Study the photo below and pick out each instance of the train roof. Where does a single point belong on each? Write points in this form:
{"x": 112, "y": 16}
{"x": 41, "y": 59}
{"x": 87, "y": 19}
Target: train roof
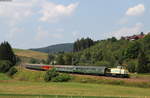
{"x": 80, "y": 66}
{"x": 69, "y": 66}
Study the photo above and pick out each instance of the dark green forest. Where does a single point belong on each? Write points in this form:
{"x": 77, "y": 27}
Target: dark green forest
{"x": 66, "y": 47}
{"x": 135, "y": 55}
{"x": 7, "y": 59}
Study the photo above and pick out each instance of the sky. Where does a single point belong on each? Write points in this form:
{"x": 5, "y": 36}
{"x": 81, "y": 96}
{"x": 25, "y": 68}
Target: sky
{"x": 38, "y": 23}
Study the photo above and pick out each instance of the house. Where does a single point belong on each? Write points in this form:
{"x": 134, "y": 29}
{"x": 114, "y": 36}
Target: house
{"x": 134, "y": 37}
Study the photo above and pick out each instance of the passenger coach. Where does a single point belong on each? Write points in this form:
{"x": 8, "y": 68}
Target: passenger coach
{"x": 120, "y": 71}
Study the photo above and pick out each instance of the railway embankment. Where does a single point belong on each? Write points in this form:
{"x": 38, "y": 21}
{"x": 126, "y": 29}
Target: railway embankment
{"x": 135, "y": 80}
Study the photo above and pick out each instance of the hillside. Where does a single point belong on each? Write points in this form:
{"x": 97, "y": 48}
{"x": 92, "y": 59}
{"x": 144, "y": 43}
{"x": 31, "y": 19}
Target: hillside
{"x": 30, "y": 54}
{"x": 111, "y": 53}
{"x": 67, "y": 47}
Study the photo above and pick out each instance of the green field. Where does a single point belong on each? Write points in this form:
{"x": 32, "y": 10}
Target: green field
{"x": 30, "y": 84}
{"x": 70, "y": 89}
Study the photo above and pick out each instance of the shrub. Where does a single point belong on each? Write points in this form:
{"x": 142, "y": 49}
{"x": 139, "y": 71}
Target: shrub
{"x": 50, "y": 74}
{"x": 12, "y": 71}
{"x": 5, "y": 65}
{"x": 62, "y": 78}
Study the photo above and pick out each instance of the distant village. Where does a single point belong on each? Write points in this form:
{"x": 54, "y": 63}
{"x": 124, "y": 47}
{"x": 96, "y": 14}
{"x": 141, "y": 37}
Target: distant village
{"x": 135, "y": 37}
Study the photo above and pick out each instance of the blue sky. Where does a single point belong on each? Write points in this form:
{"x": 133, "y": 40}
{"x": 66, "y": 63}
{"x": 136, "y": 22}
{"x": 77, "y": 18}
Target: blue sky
{"x": 38, "y": 23}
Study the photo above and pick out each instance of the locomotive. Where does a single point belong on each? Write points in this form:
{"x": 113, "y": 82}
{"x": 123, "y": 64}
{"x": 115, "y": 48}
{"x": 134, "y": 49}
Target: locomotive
{"x": 120, "y": 71}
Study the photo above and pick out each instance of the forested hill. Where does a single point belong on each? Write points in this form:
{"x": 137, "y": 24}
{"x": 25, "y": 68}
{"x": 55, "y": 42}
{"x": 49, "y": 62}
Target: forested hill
{"x": 133, "y": 54}
{"x": 66, "y": 47}
{"x": 112, "y": 52}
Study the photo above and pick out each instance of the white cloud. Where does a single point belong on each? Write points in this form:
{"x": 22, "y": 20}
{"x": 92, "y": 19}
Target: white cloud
{"x": 19, "y": 10}
{"x": 52, "y": 12}
{"x": 14, "y": 32}
{"x": 16, "y": 10}
{"x": 136, "y": 10}
{"x": 43, "y": 34}
{"x": 127, "y": 31}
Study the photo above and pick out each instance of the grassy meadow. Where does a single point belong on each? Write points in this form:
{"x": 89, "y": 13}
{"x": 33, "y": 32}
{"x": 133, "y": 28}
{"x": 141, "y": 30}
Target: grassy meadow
{"x": 29, "y": 84}
{"x": 70, "y": 89}
{"x": 30, "y": 54}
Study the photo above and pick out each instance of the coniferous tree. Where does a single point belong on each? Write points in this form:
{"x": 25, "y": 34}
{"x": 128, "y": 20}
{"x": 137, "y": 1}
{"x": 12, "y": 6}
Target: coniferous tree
{"x": 7, "y": 57}
{"x": 6, "y": 53}
{"x": 82, "y": 44}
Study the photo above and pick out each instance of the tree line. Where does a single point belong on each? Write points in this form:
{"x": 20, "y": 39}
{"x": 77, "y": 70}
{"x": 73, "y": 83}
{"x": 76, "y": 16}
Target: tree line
{"x": 82, "y": 44}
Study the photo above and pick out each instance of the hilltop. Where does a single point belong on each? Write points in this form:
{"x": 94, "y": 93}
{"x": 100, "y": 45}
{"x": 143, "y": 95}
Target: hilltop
{"x": 66, "y": 47}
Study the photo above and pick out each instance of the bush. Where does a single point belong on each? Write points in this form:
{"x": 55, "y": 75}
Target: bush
{"x": 62, "y": 78}
{"x": 50, "y": 74}
{"x": 5, "y": 65}
{"x": 12, "y": 71}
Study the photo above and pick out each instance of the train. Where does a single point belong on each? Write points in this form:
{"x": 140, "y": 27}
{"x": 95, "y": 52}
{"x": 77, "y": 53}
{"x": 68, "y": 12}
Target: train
{"x": 119, "y": 71}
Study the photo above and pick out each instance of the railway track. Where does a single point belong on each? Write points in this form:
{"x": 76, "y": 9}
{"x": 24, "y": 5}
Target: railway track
{"x": 97, "y": 77}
